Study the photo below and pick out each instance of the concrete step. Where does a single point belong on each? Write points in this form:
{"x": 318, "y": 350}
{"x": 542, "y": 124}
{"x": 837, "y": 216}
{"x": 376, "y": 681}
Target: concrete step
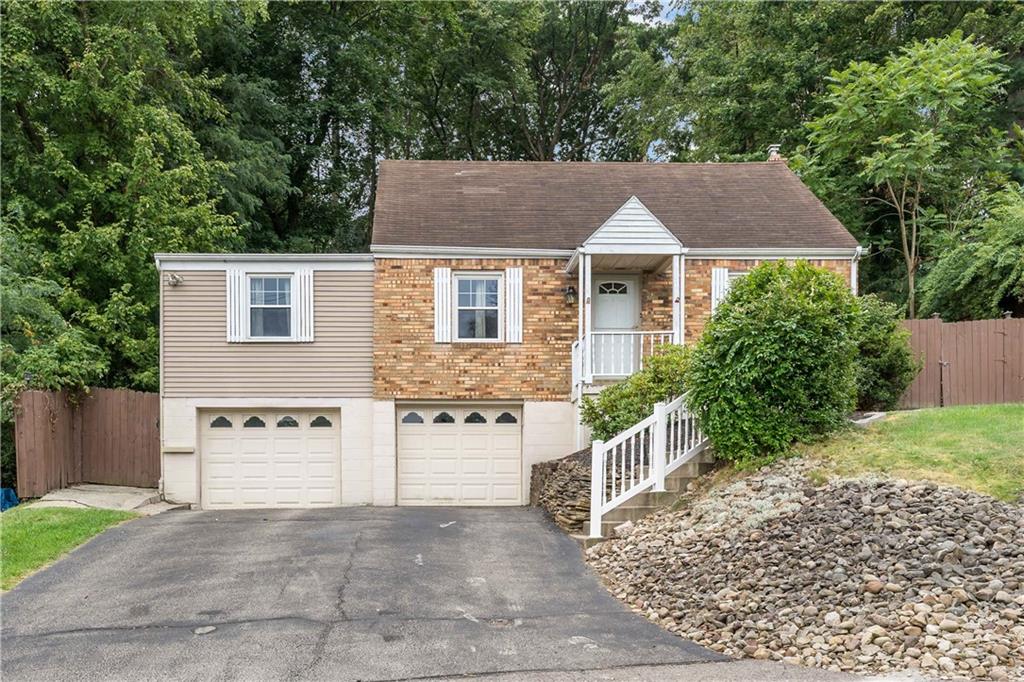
{"x": 628, "y": 512}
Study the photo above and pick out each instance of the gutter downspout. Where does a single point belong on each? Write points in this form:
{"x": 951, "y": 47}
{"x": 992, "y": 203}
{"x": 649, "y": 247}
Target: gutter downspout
{"x": 854, "y": 275}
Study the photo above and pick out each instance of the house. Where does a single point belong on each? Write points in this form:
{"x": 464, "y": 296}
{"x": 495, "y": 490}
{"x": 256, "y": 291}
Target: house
{"x": 438, "y": 368}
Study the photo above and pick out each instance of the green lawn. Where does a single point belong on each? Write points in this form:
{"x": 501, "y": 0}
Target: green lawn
{"x": 979, "y": 447}
{"x": 31, "y": 538}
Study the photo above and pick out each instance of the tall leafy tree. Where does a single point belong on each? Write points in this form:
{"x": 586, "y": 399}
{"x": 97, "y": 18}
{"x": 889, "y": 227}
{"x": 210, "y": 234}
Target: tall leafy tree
{"x": 915, "y": 135}
{"x": 101, "y": 167}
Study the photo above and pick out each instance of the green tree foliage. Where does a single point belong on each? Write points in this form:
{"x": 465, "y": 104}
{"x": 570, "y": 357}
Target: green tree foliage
{"x": 622, "y": 405}
{"x": 101, "y": 169}
{"x": 983, "y": 276}
{"x": 742, "y": 75}
{"x": 885, "y": 363}
{"x": 775, "y": 363}
{"x": 915, "y": 135}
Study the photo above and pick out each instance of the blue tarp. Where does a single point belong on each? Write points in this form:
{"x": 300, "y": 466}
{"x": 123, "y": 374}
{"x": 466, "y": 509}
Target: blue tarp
{"x": 7, "y": 498}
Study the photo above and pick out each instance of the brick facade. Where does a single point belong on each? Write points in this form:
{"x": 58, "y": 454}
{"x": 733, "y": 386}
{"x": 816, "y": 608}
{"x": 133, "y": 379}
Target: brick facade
{"x": 656, "y": 301}
{"x": 409, "y": 365}
{"x": 698, "y": 286}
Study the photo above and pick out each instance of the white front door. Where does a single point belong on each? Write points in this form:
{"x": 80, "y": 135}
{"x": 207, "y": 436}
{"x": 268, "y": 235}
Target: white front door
{"x": 460, "y": 454}
{"x": 616, "y": 303}
{"x": 616, "y": 300}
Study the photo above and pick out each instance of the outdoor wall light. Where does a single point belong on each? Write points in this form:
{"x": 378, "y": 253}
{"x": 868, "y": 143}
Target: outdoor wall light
{"x": 570, "y": 294}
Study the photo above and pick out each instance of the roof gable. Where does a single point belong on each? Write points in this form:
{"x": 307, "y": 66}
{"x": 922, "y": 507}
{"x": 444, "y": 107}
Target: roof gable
{"x": 635, "y": 226}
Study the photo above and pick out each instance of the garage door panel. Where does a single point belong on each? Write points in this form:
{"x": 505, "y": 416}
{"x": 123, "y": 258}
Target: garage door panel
{"x": 478, "y": 462}
{"x": 506, "y": 493}
{"x": 475, "y": 492}
{"x": 476, "y": 466}
{"x": 285, "y": 463}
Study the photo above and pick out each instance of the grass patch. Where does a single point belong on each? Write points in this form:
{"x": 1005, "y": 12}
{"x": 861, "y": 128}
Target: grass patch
{"x": 979, "y": 447}
{"x": 32, "y": 537}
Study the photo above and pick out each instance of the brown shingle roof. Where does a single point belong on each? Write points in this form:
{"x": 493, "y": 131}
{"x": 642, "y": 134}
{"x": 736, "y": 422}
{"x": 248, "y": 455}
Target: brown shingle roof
{"x": 558, "y": 205}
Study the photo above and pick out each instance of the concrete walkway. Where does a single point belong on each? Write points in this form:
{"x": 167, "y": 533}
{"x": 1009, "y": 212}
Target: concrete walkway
{"x": 145, "y": 501}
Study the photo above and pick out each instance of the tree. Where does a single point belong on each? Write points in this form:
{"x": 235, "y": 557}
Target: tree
{"x": 101, "y": 168}
{"x": 916, "y": 135}
{"x": 983, "y": 276}
{"x": 748, "y": 74}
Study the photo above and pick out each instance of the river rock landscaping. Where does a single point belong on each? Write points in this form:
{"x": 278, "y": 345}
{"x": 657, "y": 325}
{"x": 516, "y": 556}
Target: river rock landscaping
{"x": 867, "y": 575}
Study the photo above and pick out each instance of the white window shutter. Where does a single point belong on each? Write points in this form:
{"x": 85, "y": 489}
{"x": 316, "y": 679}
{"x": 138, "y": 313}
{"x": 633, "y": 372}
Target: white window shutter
{"x": 513, "y": 305}
{"x": 236, "y": 304}
{"x": 719, "y": 286}
{"x": 442, "y": 305}
{"x": 302, "y": 304}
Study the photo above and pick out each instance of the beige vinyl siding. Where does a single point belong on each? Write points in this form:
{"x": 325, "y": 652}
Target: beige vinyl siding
{"x": 198, "y": 360}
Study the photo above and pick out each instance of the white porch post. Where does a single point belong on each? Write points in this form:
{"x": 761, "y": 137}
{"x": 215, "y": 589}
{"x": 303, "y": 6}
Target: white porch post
{"x": 677, "y": 303}
{"x": 581, "y": 297}
{"x": 588, "y": 354}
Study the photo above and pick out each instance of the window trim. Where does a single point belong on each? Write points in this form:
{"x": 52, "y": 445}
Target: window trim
{"x": 497, "y": 276}
{"x": 292, "y": 322}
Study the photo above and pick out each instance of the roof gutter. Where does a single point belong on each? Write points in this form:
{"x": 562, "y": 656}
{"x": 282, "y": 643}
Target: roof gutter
{"x": 208, "y": 260}
{"x": 419, "y": 251}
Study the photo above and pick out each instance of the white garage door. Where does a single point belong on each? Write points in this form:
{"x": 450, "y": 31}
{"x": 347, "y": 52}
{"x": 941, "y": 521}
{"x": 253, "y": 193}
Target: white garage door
{"x": 270, "y": 458}
{"x": 460, "y": 455}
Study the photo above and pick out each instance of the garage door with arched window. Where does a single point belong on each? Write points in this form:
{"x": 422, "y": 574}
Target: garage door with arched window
{"x": 270, "y": 458}
{"x": 454, "y": 454}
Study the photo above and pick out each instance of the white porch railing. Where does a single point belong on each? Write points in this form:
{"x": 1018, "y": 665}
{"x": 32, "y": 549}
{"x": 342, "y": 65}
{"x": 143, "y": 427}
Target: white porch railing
{"x": 616, "y": 354}
{"x": 639, "y": 458}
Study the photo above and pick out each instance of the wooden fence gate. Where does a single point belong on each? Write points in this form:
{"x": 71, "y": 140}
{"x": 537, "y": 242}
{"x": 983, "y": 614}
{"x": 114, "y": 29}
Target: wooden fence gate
{"x": 967, "y": 363}
{"x": 111, "y": 436}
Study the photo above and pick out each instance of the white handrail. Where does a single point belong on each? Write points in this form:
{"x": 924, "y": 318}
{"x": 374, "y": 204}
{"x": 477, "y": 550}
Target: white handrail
{"x": 638, "y": 459}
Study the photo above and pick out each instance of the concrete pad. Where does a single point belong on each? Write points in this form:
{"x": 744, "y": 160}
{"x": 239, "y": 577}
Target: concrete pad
{"x": 121, "y": 498}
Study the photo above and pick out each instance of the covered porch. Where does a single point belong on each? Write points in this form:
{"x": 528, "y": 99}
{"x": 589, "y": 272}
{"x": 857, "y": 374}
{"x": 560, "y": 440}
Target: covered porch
{"x": 629, "y": 304}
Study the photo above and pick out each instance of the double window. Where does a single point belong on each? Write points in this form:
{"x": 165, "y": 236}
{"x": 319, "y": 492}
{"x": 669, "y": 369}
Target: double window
{"x": 270, "y": 306}
{"x": 478, "y": 307}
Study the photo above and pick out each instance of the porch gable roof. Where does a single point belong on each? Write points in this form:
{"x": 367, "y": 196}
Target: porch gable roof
{"x": 634, "y": 229}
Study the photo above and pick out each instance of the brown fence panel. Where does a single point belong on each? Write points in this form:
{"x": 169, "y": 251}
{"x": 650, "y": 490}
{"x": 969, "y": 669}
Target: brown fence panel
{"x": 44, "y": 432}
{"x": 110, "y": 436}
{"x": 1013, "y": 354}
{"x": 967, "y": 363}
{"x": 926, "y": 342}
{"x": 120, "y": 440}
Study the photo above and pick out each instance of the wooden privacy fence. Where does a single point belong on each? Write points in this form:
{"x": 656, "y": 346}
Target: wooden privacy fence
{"x": 967, "y": 363}
{"x": 110, "y": 436}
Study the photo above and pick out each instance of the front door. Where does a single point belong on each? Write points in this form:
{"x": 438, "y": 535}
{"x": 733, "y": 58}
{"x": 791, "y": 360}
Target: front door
{"x": 616, "y": 318}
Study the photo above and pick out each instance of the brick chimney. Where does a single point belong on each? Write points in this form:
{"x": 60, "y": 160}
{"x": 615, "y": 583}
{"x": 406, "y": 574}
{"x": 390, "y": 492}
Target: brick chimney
{"x": 774, "y": 155}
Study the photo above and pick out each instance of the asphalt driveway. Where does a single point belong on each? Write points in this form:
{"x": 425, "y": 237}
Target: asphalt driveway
{"x": 343, "y": 594}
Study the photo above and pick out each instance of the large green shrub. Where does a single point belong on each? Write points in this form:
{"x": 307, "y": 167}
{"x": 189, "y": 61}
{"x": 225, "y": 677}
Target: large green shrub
{"x": 885, "y": 362}
{"x": 618, "y": 407}
{"x": 775, "y": 363}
